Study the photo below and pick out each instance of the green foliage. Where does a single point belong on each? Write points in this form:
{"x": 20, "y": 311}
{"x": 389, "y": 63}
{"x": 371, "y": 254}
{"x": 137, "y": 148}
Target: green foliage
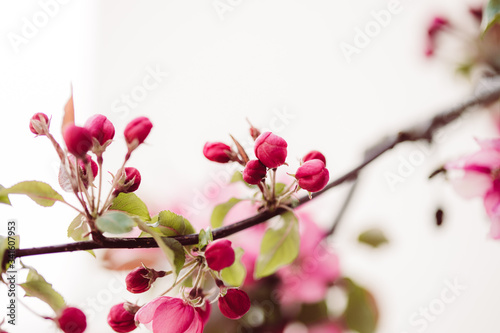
{"x": 79, "y": 229}
{"x": 4, "y": 198}
{"x": 220, "y": 211}
{"x": 204, "y": 237}
{"x": 115, "y": 222}
{"x": 131, "y": 204}
{"x": 279, "y": 247}
{"x": 173, "y": 250}
{"x": 361, "y": 313}
{"x": 373, "y": 237}
{"x": 36, "y": 286}
{"x": 171, "y": 224}
{"x": 42, "y": 193}
{"x": 236, "y": 273}
{"x": 491, "y": 15}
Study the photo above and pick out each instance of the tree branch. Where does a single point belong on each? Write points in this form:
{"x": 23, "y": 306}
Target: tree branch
{"x": 423, "y": 131}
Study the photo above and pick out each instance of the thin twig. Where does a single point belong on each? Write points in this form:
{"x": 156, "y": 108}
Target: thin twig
{"x": 423, "y": 131}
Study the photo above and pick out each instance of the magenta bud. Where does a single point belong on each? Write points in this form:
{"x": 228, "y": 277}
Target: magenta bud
{"x": 100, "y": 128}
{"x": 37, "y": 122}
{"x": 72, "y": 320}
{"x": 217, "y": 152}
{"x": 234, "y": 304}
{"x": 438, "y": 24}
{"x": 78, "y": 140}
{"x": 130, "y": 181}
{"x": 219, "y": 254}
{"x": 312, "y": 175}
{"x": 270, "y": 149}
{"x": 121, "y": 317}
{"x": 314, "y": 155}
{"x": 141, "y": 278}
{"x": 137, "y": 131}
{"x": 254, "y": 172}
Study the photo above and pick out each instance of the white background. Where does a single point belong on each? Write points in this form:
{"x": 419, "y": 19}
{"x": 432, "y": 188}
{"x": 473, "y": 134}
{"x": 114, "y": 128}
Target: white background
{"x": 257, "y": 59}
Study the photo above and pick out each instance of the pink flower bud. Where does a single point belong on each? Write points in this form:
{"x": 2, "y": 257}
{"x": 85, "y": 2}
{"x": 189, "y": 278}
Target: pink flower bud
{"x": 141, "y": 279}
{"x": 234, "y": 304}
{"x": 72, "y": 320}
{"x": 78, "y": 140}
{"x": 37, "y": 122}
{"x": 137, "y": 131}
{"x": 121, "y": 317}
{"x": 312, "y": 175}
{"x": 130, "y": 182}
{"x": 254, "y": 172}
{"x": 314, "y": 155}
{"x": 219, "y": 254}
{"x": 438, "y": 24}
{"x": 100, "y": 128}
{"x": 217, "y": 152}
{"x": 270, "y": 149}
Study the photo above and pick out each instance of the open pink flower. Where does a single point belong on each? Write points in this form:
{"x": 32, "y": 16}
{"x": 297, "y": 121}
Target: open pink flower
{"x": 170, "y": 315}
{"x": 481, "y": 178}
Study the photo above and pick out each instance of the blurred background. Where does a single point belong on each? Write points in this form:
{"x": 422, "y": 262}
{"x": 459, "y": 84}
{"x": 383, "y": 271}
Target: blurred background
{"x": 197, "y": 69}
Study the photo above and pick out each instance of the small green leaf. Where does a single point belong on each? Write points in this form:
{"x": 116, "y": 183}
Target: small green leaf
{"x": 279, "y": 188}
{"x": 236, "y": 273}
{"x": 171, "y": 224}
{"x": 361, "y": 313}
{"x": 130, "y": 203}
{"x": 238, "y": 177}
{"x": 174, "y": 251}
{"x": 220, "y": 211}
{"x": 204, "y": 237}
{"x": 373, "y": 237}
{"x": 115, "y": 222}
{"x": 36, "y": 286}
{"x": 279, "y": 247}
{"x": 491, "y": 15}
{"x": 4, "y": 198}
{"x": 39, "y": 192}
{"x": 79, "y": 229}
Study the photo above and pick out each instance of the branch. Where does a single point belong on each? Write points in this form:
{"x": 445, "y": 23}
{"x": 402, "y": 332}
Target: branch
{"x": 423, "y": 131}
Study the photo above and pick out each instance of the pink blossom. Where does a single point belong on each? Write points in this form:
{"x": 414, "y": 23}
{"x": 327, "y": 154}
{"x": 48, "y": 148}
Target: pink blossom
{"x": 307, "y": 279}
{"x": 481, "y": 178}
{"x": 170, "y": 315}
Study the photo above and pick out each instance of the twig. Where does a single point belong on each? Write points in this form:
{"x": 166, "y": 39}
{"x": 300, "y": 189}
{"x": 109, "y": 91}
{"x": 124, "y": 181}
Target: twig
{"x": 423, "y": 131}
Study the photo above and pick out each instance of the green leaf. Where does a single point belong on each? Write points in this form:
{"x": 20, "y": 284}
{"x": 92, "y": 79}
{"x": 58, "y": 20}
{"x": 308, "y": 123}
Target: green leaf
{"x": 220, "y": 211}
{"x": 204, "y": 237}
{"x": 40, "y": 192}
{"x": 171, "y": 224}
{"x": 491, "y": 15}
{"x": 279, "y": 247}
{"x": 238, "y": 177}
{"x": 174, "y": 251}
{"x": 361, "y": 313}
{"x": 130, "y": 203}
{"x": 115, "y": 222}
{"x": 373, "y": 237}
{"x": 36, "y": 286}
{"x": 79, "y": 229}
{"x": 236, "y": 273}
{"x": 4, "y": 198}
{"x": 279, "y": 188}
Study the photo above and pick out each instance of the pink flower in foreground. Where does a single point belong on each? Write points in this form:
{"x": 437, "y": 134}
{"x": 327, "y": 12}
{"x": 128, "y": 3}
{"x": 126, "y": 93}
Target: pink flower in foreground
{"x": 170, "y": 315}
{"x": 307, "y": 279}
{"x": 481, "y": 178}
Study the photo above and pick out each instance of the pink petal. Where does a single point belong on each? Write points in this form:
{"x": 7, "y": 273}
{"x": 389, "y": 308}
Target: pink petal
{"x": 472, "y": 184}
{"x": 492, "y": 206}
{"x": 173, "y": 317}
{"x": 146, "y": 313}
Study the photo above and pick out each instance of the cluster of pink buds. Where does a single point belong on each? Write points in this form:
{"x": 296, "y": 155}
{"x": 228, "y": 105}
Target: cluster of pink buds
{"x": 271, "y": 152}
{"x": 191, "y": 311}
